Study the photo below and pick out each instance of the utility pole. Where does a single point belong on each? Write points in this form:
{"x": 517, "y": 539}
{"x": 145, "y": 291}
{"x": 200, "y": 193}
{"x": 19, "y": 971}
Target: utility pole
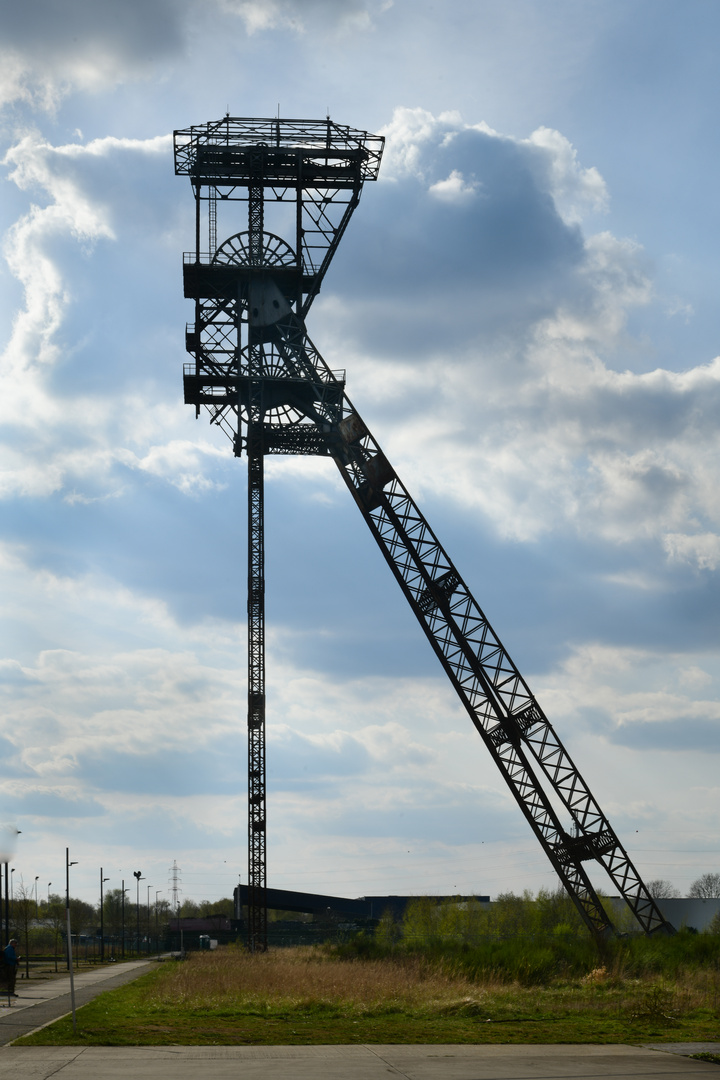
{"x": 137, "y": 874}
{"x": 148, "y": 919}
{"x": 68, "y": 864}
{"x": 8, "y": 909}
{"x": 102, "y": 918}
{"x": 124, "y": 890}
{"x": 157, "y": 930}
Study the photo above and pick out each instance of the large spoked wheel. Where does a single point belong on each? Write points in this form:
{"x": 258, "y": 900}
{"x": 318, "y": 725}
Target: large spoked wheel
{"x": 235, "y": 251}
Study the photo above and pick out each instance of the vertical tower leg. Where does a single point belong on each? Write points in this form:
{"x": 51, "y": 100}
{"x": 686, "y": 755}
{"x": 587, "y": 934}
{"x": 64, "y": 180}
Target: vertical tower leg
{"x": 257, "y": 873}
{"x": 257, "y": 883}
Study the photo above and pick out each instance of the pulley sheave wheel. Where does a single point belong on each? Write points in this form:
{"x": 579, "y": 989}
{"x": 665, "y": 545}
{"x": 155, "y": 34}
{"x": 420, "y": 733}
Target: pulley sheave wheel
{"x": 236, "y": 251}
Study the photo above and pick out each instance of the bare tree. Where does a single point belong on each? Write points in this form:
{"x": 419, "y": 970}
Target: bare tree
{"x": 707, "y": 886}
{"x": 24, "y": 907}
{"x": 660, "y": 889}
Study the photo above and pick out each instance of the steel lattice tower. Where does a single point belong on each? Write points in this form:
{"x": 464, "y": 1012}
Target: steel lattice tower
{"x": 261, "y": 379}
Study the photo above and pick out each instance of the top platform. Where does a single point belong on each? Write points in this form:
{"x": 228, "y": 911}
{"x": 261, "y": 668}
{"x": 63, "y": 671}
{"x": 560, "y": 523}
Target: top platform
{"x": 312, "y": 153}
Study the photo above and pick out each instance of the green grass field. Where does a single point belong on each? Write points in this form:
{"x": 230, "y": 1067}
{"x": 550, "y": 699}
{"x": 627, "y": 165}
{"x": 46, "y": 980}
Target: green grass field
{"x": 306, "y": 995}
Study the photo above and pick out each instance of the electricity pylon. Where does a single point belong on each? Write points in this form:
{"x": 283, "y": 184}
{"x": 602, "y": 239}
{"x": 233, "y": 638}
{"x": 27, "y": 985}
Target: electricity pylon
{"x": 264, "y": 383}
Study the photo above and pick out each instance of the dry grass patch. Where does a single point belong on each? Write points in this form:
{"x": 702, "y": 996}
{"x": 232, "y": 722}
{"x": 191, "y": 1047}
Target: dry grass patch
{"x": 310, "y": 995}
{"x": 307, "y": 979}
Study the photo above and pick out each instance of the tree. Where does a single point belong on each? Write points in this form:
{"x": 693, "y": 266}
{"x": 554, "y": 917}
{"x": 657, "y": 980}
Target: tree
{"x": 707, "y": 886}
{"x": 83, "y": 916}
{"x": 112, "y": 912}
{"x": 54, "y": 916}
{"x": 193, "y": 909}
{"x": 660, "y": 889}
{"x": 24, "y": 908}
{"x": 189, "y": 909}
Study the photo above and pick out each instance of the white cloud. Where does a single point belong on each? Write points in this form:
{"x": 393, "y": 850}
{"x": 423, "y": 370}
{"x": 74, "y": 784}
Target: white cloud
{"x": 621, "y": 690}
{"x": 553, "y": 160}
{"x": 699, "y": 549}
{"x": 57, "y": 440}
{"x": 407, "y": 134}
{"x": 172, "y": 687}
{"x": 181, "y": 462}
{"x": 522, "y": 407}
{"x": 148, "y": 734}
{"x": 48, "y": 51}
{"x": 455, "y": 189}
{"x": 345, "y": 16}
{"x": 515, "y": 392}
{"x": 575, "y": 190}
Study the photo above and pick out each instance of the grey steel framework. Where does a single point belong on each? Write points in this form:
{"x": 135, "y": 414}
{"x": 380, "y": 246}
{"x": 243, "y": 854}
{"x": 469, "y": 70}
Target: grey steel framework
{"x": 260, "y": 377}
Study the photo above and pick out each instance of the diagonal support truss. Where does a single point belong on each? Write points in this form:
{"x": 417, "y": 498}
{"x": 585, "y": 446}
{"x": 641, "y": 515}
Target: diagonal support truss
{"x": 531, "y": 758}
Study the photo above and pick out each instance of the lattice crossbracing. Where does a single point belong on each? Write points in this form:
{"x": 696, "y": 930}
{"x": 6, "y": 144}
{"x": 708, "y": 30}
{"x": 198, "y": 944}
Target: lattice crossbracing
{"x": 260, "y": 377}
{"x": 514, "y": 728}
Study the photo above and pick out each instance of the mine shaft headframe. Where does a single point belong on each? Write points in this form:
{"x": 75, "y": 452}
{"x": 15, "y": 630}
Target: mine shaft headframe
{"x": 319, "y": 165}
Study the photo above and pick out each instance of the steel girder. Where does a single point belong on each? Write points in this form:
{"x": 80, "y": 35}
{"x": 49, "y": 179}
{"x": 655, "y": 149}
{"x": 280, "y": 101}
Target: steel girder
{"x": 514, "y": 728}
{"x": 257, "y": 801}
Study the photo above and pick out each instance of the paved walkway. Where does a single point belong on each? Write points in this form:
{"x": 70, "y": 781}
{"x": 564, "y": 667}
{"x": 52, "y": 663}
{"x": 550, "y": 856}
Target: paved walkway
{"x": 43, "y": 1000}
{"x": 347, "y": 1063}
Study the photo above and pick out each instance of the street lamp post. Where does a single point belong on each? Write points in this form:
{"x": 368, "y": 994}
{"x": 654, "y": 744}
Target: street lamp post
{"x": 124, "y": 890}
{"x": 157, "y": 931}
{"x": 56, "y": 928}
{"x": 68, "y": 864}
{"x": 37, "y": 876}
{"x": 137, "y": 874}
{"x": 102, "y": 918}
{"x": 8, "y": 880}
{"x": 148, "y": 919}
{"x": 12, "y": 892}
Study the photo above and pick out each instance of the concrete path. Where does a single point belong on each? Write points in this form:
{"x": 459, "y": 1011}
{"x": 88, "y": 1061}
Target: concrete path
{"x": 39, "y": 1002}
{"x": 347, "y": 1063}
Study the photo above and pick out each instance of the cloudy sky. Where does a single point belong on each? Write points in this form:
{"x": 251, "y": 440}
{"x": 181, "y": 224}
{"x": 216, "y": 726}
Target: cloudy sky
{"x": 526, "y": 306}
